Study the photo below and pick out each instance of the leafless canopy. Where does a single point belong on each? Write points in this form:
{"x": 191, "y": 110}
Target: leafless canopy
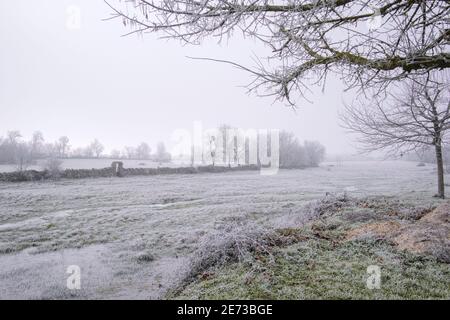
{"x": 369, "y": 43}
{"x": 414, "y": 117}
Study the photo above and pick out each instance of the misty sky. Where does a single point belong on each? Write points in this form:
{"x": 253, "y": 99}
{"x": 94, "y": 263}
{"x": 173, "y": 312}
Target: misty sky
{"x": 92, "y": 83}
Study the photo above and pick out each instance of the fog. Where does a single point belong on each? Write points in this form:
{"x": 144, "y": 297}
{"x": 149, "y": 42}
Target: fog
{"x": 137, "y": 167}
{"x": 92, "y": 82}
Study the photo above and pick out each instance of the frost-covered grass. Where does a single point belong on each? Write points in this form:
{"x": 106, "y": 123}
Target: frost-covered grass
{"x": 145, "y": 229}
{"x": 317, "y": 259}
{"x": 92, "y": 164}
{"x": 317, "y": 269}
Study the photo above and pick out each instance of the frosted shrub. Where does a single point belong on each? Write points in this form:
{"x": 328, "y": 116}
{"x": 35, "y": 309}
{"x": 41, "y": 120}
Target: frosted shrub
{"x": 315, "y": 209}
{"x": 53, "y": 167}
{"x": 329, "y": 203}
{"x": 234, "y": 242}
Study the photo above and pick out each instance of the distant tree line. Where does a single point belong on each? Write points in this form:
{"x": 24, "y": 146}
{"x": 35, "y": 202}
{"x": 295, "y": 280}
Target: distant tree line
{"x": 143, "y": 152}
{"x": 428, "y": 155}
{"x": 23, "y": 153}
{"x": 292, "y": 153}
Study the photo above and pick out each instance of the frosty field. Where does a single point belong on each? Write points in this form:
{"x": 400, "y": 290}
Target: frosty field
{"x": 91, "y": 164}
{"x": 130, "y": 236}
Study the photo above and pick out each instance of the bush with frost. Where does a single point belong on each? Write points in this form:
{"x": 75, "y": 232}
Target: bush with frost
{"x": 54, "y": 167}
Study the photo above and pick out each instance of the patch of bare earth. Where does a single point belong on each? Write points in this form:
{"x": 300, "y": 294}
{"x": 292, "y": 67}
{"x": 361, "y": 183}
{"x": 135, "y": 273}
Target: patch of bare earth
{"x": 379, "y": 229}
{"x": 428, "y": 235}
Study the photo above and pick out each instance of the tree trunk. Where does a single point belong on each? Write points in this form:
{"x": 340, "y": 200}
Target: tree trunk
{"x": 440, "y": 170}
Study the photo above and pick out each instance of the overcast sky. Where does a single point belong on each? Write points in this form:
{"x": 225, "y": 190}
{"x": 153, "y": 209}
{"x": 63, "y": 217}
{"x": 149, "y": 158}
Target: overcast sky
{"x": 92, "y": 83}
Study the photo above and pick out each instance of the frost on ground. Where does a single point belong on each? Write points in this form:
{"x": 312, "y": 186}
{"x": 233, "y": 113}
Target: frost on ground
{"x": 134, "y": 237}
{"x": 327, "y": 255}
{"x": 93, "y": 164}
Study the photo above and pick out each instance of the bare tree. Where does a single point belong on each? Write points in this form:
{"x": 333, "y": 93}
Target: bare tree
{"x": 115, "y": 154}
{"x": 63, "y": 146}
{"x": 37, "y": 143}
{"x": 50, "y": 149}
{"x": 97, "y": 148}
{"x": 143, "y": 151}
{"x": 416, "y": 117}
{"x": 292, "y": 154}
{"x": 315, "y": 153}
{"x": 367, "y": 43}
{"x": 17, "y": 151}
{"x": 22, "y": 156}
{"x": 161, "y": 154}
{"x": 229, "y": 144}
{"x": 129, "y": 152}
{"x": 8, "y": 147}
{"x": 211, "y": 145}
{"x": 13, "y": 137}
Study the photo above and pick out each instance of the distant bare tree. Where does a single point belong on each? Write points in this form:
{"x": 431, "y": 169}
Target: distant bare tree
{"x": 227, "y": 144}
{"x": 77, "y": 152}
{"x": 13, "y": 137}
{"x": 367, "y": 43}
{"x": 63, "y": 146}
{"x": 22, "y": 156}
{"x": 37, "y": 143}
{"x": 292, "y": 154}
{"x": 415, "y": 117}
{"x": 315, "y": 153}
{"x": 8, "y": 147}
{"x": 161, "y": 154}
{"x": 143, "y": 151}
{"x": 51, "y": 149}
{"x": 17, "y": 151}
{"x": 211, "y": 145}
{"x": 115, "y": 154}
{"x": 129, "y": 152}
{"x": 97, "y": 148}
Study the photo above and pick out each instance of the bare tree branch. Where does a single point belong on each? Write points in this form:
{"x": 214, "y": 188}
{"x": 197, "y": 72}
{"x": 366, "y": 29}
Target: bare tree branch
{"x": 368, "y": 43}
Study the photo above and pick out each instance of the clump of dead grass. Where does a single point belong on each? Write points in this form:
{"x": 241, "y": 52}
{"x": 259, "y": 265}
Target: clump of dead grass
{"x": 429, "y": 235}
{"x": 330, "y": 204}
{"x": 236, "y": 240}
{"x": 374, "y": 229}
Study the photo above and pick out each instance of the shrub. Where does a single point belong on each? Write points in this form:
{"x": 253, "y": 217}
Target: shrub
{"x": 235, "y": 241}
{"x": 53, "y": 167}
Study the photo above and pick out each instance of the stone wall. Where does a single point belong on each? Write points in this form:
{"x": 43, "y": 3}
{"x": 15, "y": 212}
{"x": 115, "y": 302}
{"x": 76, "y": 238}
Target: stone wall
{"x": 33, "y": 175}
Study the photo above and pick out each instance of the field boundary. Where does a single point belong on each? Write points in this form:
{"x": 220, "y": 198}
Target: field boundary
{"x": 35, "y": 175}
